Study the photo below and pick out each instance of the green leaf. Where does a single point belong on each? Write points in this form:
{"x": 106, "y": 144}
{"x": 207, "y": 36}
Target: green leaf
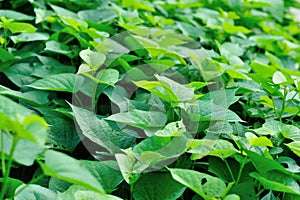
{"x": 31, "y": 97}
{"x": 60, "y": 48}
{"x": 261, "y": 141}
{"x": 29, "y": 37}
{"x": 205, "y": 147}
{"x": 140, "y": 118}
{"x": 295, "y": 147}
{"x": 232, "y": 197}
{"x": 172, "y": 129}
{"x": 13, "y": 184}
{"x": 63, "y": 12}
{"x": 107, "y": 173}
{"x": 203, "y": 184}
{"x": 20, "y": 74}
{"x": 17, "y": 27}
{"x": 63, "y": 82}
{"x": 5, "y": 55}
{"x": 99, "y": 15}
{"x": 157, "y": 186}
{"x": 278, "y": 78}
{"x": 229, "y": 28}
{"x": 130, "y": 169}
{"x": 167, "y": 89}
{"x": 263, "y": 165}
{"x": 62, "y": 133}
{"x": 92, "y": 58}
{"x": 108, "y": 76}
{"x": 95, "y": 129}
{"x": 156, "y": 149}
{"x": 76, "y": 192}
{"x": 281, "y": 182}
{"x": 13, "y": 110}
{"x": 35, "y": 192}
{"x": 66, "y": 168}
{"x": 15, "y": 15}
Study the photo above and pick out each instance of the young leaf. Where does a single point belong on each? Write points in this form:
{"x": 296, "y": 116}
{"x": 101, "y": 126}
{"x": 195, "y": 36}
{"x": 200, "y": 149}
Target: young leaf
{"x": 278, "y": 78}
{"x": 92, "y": 58}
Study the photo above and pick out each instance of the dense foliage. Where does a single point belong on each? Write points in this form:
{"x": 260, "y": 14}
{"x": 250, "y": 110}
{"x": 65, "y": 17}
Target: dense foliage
{"x": 131, "y": 99}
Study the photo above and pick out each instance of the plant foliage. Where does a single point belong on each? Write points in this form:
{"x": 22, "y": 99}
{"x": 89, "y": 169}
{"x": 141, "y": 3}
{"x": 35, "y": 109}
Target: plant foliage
{"x": 142, "y": 99}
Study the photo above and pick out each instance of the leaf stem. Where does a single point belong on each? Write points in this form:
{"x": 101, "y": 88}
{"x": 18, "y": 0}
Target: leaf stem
{"x": 9, "y": 165}
{"x": 241, "y": 170}
{"x": 2, "y": 153}
{"x": 283, "y": 104}
{"x": 229, "y": 169}
{"x": 131, "y": 192}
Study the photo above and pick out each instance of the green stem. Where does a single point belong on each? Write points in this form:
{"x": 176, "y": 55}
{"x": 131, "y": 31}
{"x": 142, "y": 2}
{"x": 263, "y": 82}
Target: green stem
{"x": 283, "y": 104}
{"x": 9, "y": 165}
{"x": 5, "y": 37}
{"x": 274, "y": 108}
{"x": 241, "y": 170}
{"x": 229, "y": 169}
{"x": 2, "y": 153}
{"x": 131, "y": 192}
{"x": 291, "y": 118}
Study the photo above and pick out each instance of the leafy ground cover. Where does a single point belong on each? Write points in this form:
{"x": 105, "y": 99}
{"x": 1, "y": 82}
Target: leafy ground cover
{"x": 149, "y": 99}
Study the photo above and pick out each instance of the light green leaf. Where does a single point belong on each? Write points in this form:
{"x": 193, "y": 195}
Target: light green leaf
{"x": 76, "y": 192}
{"x": 34, "y": 192}
{"x": 17, "y": 27}
{"x": 295, "y": 147}
{"x": 26, "y": 151}
{"x": 99, "y": 15}
{"x": 15, "y": 15}
{"x": 29, "y": 37}
{"x": 232, "y": 197}
{"x": 203, "y": 184}
{"x": 205, "y": 147}
{"x": 167, "y": 89}
{"x": 108, "y": 76}
{"x": 140, "y": 118}
{"x": 230, "y": 28}
{"x": 129, "y": 168}
{"x": 278, "y": 78}
{"x": 261, "y": 141}
{"x": 92, "y": 58}
{"x": 172, "y": 129}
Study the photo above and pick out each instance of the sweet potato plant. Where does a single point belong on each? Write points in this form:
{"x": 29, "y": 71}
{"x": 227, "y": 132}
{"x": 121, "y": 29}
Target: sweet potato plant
{"x": 149, "y": 99}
